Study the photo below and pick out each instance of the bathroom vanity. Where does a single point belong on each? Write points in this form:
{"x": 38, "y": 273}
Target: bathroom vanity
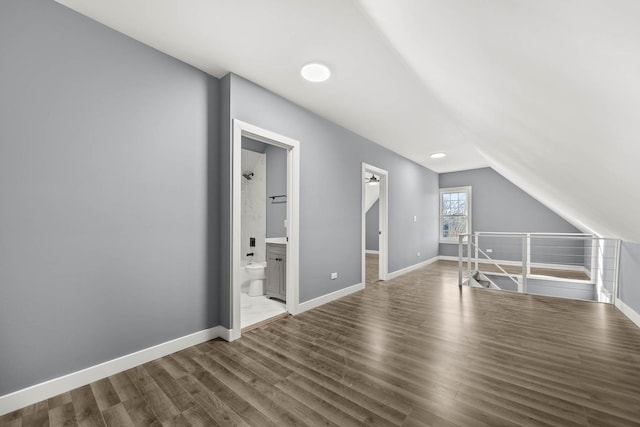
{"x": 276, "y": 286}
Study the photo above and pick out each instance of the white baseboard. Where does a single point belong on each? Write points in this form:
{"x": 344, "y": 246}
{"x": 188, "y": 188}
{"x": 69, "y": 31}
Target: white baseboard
{"x": 371, "y": 251}
{"x": 406, "y": 270}
{"x": 628, "y": 311}
{"x": 316, "y": 302}
{"x": 36, "y": 393}
{"x": 226, "y": 334}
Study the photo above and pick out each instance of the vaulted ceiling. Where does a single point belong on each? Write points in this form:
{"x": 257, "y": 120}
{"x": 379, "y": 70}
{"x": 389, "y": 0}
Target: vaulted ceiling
{"x": 546, "y": 92}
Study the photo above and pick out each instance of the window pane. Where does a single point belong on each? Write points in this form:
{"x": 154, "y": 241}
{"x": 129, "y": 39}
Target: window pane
{"x": 446, "y": 207}
{"x": 452, "y": 226}
{"x": 455, "y": 212}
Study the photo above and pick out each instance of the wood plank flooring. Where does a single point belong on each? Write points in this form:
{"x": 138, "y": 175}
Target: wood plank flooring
{"x": 413, "y": 351}
{"x": 372, "y": 268}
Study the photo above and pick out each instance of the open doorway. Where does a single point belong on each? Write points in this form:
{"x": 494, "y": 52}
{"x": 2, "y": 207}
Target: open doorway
{"x": 263, "y": 191}
{"x": 265, "y": 227}
{"x": 374, "y": 223}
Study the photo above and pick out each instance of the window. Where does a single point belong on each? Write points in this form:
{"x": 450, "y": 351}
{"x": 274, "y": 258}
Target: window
{"x": 455, "y": 213}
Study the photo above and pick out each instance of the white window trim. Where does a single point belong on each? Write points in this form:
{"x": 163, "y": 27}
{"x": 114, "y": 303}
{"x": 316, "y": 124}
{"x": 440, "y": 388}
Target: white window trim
{"x": 466, "y": 189}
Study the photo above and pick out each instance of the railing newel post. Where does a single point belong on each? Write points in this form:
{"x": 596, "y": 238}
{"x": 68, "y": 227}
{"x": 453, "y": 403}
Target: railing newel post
{"x": 616, "y": 272}
{"x": 460, "y": 254}
{"x": 477, "y": 239}
{"x": 525, "y": 263}
{"x": 468, "y": 256}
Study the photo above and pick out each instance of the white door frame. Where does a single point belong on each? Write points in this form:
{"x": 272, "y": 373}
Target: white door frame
{"x": 383, "y": 206}
{"x": 292, "y": 146}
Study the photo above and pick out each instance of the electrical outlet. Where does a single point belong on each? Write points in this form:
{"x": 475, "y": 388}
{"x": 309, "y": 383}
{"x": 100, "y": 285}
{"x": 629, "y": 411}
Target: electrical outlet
{"x": 415, "y": 218}
{"x": 489, "y": 251}
{"x": 418, "y": 253}
{"x": 334, "y": 276}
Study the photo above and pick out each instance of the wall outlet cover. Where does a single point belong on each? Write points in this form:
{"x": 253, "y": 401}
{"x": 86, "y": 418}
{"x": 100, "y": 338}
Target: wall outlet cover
{"x": 334, "y": 276}
{"x": 489, "y": 251}
{"x": 418, "y": 253}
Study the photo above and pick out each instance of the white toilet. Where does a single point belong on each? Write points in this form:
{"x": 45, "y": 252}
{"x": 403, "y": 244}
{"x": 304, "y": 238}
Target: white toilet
{"x": 257, "y": 275}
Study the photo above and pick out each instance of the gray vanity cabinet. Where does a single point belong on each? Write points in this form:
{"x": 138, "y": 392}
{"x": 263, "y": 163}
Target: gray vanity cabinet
{"x": 276, "y": 271}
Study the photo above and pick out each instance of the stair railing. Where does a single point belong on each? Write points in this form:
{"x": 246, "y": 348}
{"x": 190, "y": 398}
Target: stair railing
{"x": 556, "y": 255}
{"x": 471, "y": 242}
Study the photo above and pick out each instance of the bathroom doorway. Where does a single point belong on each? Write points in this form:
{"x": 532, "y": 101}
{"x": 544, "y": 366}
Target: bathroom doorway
{"x": 374, "y": 223}
{"x": 265, "y": 227}
{"x": 263, "y": 191}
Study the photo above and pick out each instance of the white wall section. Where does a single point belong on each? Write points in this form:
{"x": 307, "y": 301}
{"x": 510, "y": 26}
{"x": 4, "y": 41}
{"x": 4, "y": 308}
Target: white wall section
{"x": 254, "y": 205}
{"x": 547, "y": 89}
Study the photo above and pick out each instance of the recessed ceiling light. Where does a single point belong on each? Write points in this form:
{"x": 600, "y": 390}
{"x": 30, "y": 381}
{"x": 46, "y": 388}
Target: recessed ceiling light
{"x": 437, "y": 155}
{"x": 315, "y": 72}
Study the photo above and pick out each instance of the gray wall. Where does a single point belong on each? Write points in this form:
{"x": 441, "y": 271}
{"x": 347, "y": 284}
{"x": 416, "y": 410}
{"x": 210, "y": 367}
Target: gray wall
{"x": 108, "y": 229}
{"x": 372, "y": 227}
{"x": 225, "y": 224}
{"x": 330, "y": 215}
{"x": 629, "y": 277}
{"x": 499, "y": 205}
{"x": 574, "y": 290}
{"x": 554, "y": 288}
{"x": 253, "y": 145}
{"x": 276, "y": 186}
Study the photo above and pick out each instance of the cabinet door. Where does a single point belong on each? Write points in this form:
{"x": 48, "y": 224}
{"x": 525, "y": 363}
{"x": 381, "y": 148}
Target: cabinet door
{"x": 276, "y": 271}
{"x": 273, "y": 275}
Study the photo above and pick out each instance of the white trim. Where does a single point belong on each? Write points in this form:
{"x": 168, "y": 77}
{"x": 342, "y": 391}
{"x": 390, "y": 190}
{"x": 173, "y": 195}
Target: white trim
{"x": 412, "y": 267}
{"x": 317, "y": 302}
{"x": 450, "y": 258}
{"x": 371, "y": 251}
{"x": 518, "y": 263}
{"x": 225, "y": 333}
{"x": 464, "y": 189}
{"x": 565, "y": 267}
{"x": 277, "y": 240}
{"x": 292, "y": 146}
{"x": 534, "y": 234}
{"x": 383, "y": 206}
{"x": 628, "y": 311}
{"x": 45, "y": 390}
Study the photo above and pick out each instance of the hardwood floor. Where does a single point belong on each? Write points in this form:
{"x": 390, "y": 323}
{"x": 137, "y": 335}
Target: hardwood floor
{"x": 372, "y": 269}
{"x": 412, "y": 351}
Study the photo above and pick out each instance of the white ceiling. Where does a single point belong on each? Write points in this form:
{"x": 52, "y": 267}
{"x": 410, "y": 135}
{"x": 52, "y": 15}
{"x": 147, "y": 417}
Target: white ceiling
{"x": 547, "y": 92}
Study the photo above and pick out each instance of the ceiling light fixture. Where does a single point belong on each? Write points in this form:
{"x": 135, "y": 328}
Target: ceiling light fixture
{"x": 315, "y": 72}
{"x": 437, "y": 155}
{"x": 372, "y": 180}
